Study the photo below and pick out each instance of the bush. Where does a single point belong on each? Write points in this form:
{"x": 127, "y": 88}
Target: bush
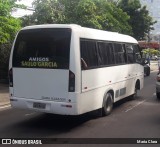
{"x": 4, "y": 60}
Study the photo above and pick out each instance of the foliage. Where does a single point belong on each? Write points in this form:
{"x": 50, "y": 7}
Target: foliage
{"x": 8, "y": 25}
{"x": 4, "y": 54}
{"x": 140, "y": 20}
{"x": 99, "y": 14}
{"x": 150, "y": 51}
{"x": 102, "y": 15}
{"x": 47, "y": 11}
{"x": 8, "y": 29}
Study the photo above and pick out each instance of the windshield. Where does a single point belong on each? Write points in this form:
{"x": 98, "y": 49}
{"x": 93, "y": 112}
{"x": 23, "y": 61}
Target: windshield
{"x": 42, "y": 48}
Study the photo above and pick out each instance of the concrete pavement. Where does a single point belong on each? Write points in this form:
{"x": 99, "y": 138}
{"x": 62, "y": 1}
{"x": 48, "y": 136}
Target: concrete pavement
{"x": 4, "y": 90}
{"x": 154, "y": 66}
{"x": 4, "y": 95}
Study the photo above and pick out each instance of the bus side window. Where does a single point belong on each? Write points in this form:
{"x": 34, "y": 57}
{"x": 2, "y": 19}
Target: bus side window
{"x": 88, "y": 51}
{"x": 119, "y": 53}
{"x": 105, "y": 54}
{"x": 83, "y": 64}
{"x": 130, "y": 53}
{"x": 137, "y": 53}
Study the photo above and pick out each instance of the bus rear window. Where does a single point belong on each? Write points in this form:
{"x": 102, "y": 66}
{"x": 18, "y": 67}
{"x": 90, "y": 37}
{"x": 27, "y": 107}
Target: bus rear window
{"x": 42, "y": 48}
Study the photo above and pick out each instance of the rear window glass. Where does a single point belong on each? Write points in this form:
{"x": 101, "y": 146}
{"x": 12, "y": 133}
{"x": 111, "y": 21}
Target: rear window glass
{"x": 42, "y": 48}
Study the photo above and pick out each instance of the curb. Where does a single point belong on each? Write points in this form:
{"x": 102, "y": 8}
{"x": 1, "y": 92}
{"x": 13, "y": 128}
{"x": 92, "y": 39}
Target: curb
{"x": 5, "y": 103}
{"x": 5, "y": 106}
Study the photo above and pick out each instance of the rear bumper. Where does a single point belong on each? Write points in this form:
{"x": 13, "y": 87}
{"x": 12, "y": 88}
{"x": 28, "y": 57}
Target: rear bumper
{"x": 61, "y": 108}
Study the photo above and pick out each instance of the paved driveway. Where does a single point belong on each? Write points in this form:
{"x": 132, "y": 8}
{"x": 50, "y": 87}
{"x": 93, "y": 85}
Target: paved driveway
{"x": 4, "y": 95}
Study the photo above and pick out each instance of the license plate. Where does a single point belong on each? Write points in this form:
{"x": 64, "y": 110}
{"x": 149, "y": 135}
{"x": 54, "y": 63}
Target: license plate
{"x": 39, "y": 105}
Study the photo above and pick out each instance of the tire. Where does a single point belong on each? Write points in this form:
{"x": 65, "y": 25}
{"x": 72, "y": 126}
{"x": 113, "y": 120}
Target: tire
{"x": 158, "y": 95}
{"x": 148, "y": 72}
{"x": 107, "y": 104}
{"x": 134, "y": 96}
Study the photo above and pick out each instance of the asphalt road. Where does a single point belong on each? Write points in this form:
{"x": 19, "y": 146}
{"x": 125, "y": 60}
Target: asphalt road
{"x": 139, "y": 118}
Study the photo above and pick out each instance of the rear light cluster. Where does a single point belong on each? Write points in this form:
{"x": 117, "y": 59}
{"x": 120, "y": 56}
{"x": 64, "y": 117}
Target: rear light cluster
{"x": 71, "y": 87}
{"x": 11, "y": 77}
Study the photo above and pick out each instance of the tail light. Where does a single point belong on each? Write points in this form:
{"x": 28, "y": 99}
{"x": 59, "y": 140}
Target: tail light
{"x": 11, "y": 77}
{"x": 71, "y": 82}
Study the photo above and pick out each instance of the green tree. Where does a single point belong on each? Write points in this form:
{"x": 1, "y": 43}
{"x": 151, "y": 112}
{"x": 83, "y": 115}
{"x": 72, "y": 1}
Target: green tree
{"x": 8, "y": 24}
{"x": 99, "y": 14}
{"x": 8, "y": 29}
{"x": 47, "y": 11}
{"x": 140, "y": 20}
{"x": 150, "y": 51}
{"x": 86, "y": 14}
{"x": 27, "y": 20}
{"x": 113, "y": 18}
{"x": 69, "y": 10}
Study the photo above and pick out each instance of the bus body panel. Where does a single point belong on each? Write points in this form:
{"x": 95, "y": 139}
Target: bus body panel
{"x": 97, "y": 82}
{"x": 42, "y": 84}
{"x": 75, "y": 64}
{"x": 104, "y": 76}
{"x": 50, "y": 106}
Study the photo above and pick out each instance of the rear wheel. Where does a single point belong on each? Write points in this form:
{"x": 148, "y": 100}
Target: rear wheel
{"x": 148, "y": 72}
{"x": 133, "y": 96}
{"x": 107, "y": 104}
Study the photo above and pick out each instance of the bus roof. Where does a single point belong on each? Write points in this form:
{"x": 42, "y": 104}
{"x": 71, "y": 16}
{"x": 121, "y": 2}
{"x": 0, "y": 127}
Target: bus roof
{"x": 89, "y": 33}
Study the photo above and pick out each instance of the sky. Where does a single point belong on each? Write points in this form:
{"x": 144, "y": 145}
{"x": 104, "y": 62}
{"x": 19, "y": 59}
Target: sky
{"x": 21, "y": 12}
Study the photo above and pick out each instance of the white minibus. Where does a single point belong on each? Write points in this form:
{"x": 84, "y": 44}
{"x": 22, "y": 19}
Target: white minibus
{"x": 70, "y": 70}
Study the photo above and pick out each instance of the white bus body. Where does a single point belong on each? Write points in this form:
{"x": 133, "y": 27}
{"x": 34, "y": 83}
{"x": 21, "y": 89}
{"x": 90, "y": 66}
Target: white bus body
{"x": 42, "y": 82}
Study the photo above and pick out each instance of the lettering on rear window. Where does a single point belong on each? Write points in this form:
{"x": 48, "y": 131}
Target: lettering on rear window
{"x": 38, "y": 59}
{"x": 39, "y": 62}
